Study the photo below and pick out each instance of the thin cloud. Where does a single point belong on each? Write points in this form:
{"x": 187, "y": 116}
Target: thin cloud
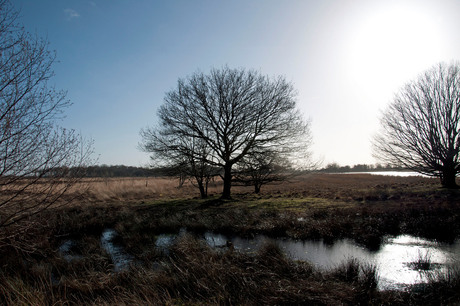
{"x": 71, "y": 14}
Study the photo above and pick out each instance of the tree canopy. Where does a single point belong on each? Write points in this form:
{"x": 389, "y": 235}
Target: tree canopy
{"x": 421, "y": 127}
{"x": 219, "y": 118}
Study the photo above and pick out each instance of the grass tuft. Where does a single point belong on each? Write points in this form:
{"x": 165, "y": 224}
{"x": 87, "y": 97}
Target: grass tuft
{"x": 422, "y": 262}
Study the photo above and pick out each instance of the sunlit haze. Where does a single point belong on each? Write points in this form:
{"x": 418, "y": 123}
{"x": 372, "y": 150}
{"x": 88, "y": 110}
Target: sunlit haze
{"x": 118, "y": 58}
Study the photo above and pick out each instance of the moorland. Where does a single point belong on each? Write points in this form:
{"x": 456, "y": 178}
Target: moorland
{"x": 363, "y": 208}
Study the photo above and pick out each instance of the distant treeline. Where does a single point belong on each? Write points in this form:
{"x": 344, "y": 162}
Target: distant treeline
{"x": 334, "y": 168}
{"x": 123, "y": 171}
{"x": 107, "y": 171}
{"x": 131, "y": 171}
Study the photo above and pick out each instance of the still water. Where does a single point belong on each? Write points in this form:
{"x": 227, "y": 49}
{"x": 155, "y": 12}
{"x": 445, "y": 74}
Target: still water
{"x": 388, "y": 173}
{"x": 120, "y": 259}
{"x": 394, "y": 260}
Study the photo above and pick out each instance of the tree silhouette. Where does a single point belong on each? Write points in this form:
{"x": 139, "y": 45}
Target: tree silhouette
{"x": 231, "y": 112}
{"x": 421, "y": 127}
{"x": 36, "y": 156}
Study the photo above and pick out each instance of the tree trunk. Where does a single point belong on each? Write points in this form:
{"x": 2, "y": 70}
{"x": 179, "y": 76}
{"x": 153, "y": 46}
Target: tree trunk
{"x": 448, "y": 177}
{"x": 227, "y": 182}
{"x": 256, "y": 188}
{"x": 203, "y": 191}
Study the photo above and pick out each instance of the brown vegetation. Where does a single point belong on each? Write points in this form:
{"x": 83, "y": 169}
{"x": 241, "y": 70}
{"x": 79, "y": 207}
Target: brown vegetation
{"x": 361, "y": 207}
{"x": 345, "y": 187}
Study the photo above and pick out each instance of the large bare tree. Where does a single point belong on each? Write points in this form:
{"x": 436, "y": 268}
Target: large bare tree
{"x": 39, "y": 160}
{"x": 230, "y": 111}
{"x": 421, "y": 127}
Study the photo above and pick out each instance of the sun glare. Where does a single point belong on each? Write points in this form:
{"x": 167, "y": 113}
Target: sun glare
{"x": 392, "y": 44}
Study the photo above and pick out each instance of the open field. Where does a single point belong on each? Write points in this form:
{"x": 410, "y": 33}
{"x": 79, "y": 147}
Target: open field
{"x": 328, "y": 186}
{"x": 360, "y": 207}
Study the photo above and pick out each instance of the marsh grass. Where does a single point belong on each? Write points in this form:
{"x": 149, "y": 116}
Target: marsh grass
{"x": 361, "y": 207}
{"x": 247, "y": 214}
{"x": 194, "y": 273}
{"x": 449, "y": 279}
{"x": 423, "y": 261}
{"x": 352, "y": 271}
{"x": 442, "y": 287}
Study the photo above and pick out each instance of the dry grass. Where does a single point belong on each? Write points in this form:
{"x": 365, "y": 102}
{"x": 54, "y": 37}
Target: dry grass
{"x": 361, "y": 207}
{"x": 363, "y": 187}
{"x": 353, "y": 187}
{"x": 150, "y": 188}
{"x": 192, "y": 274}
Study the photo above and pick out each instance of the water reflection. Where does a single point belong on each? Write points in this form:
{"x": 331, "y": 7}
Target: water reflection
{"x": 395, "y": 260}
{"x": 165, "y": 241}
{"x": 66, "y": 250}
{"x": 215, "y": 240}
{"x": 120, "y": 258}
{"x": 388, "y": 173}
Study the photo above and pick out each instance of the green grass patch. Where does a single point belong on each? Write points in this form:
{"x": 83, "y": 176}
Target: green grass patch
{"x": 285, "y": 204}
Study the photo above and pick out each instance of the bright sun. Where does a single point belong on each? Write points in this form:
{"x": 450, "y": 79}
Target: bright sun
{"x": 392, "y": 44}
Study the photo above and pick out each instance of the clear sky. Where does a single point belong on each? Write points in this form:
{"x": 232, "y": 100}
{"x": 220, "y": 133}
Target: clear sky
{"x": 346, "y": 58}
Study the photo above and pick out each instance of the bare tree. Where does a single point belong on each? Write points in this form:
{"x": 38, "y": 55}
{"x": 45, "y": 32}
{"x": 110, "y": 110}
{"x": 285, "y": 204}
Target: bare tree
{"x": 186, "y": 157}
{"x": 258, "y": 169}
{"x": 232, "y": 111}
{"x": 39, "y": 161}
{"x": 421, "y": 127}
{"x": 197, "y": 167}
{"x": 262, "y": 166}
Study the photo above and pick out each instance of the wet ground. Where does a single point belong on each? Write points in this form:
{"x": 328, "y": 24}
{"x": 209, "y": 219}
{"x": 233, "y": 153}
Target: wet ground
{"x": 401, "y": 261}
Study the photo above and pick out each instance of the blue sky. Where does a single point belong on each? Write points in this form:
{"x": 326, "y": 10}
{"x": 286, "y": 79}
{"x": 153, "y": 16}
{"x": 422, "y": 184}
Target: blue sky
{"x": 346, "y": 58}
